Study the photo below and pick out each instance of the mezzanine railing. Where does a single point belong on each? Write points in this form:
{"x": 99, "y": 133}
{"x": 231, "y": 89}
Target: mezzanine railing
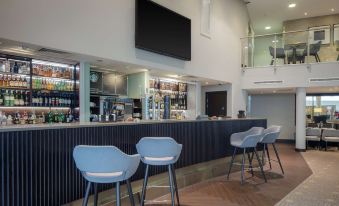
{"x": 288, "y": 48}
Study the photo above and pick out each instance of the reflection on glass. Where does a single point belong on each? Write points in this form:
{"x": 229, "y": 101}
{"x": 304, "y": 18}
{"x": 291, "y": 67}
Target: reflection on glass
{"x": 322, "y": 109}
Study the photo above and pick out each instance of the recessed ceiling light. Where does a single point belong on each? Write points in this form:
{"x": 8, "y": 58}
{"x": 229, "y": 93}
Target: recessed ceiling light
{"x": 206, "y": 82}
{"x": 292, "y": 5}
{"x": 305, "y": 13}
{"x": 267, "y": 27}
{"x": 332, "y": 9}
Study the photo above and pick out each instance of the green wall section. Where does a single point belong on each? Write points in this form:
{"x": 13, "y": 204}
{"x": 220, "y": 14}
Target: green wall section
{"x": 137, "y": 84}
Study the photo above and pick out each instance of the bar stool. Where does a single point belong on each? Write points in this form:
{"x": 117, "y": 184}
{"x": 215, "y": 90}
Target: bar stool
{"x": 105, "y": 164}
{"x": 270, "y": 136}
{"x": 246, "y": 140}
{"x": 156, "y": 151}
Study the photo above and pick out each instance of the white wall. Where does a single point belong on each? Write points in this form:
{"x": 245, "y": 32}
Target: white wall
{"x": 105, "y": 29}
{"x": 279, "y": 109}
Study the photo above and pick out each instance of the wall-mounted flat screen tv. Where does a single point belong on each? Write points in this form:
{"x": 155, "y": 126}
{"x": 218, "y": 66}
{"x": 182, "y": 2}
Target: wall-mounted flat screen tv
{"x": 160, "y": 30}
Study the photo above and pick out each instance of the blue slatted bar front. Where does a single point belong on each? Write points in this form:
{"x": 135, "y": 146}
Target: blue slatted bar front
{"x": 37, "y": 167}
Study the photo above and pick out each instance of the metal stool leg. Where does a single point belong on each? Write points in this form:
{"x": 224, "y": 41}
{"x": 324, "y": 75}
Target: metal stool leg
{"x": 143, "y": 193}
{"x": 230, "y": 167}
{"x": 261, "y": 167}
{"x": 268, "y": 156}
{"x": 95, "y": 194}
{"x": 243, "y": 166}
{"x": 171, "y": 183}
{"x": 175, "y": 184}
{"x": 276, "y": 153}
{"x": 263, "y": 155}
{"x": 130, "y": 192}
{"x": 250, "y": 162}
{"x": 85, "y": 201}
{"x": 117, "y": 189}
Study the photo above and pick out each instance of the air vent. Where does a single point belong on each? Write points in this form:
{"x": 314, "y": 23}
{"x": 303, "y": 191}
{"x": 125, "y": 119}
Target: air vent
{"x": 52, "y": 51}
{"x": 324, "y": 79}
{"x": 269, "y": 82}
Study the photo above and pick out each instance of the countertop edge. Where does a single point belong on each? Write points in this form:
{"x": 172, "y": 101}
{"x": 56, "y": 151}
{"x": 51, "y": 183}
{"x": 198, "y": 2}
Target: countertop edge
{"x": 97, "y": 124}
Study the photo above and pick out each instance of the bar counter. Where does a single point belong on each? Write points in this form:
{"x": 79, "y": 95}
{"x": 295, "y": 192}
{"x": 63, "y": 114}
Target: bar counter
{"x": 37, "y": 167}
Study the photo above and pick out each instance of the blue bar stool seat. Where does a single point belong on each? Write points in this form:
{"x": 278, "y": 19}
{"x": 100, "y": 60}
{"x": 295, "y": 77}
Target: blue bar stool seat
{"x": 246, "y": 141}
{"x": 157, "y": 151}
{"x": 105, "y": 164}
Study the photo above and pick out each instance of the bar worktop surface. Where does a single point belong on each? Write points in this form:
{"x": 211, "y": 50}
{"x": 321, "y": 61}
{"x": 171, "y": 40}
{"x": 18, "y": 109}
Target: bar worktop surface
{"x": 26, "y": 127}
{"x": 37, "y": 166}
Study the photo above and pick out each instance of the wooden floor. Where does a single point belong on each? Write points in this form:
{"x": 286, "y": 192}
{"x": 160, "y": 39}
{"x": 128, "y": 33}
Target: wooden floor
{"x": 219, "y": 191}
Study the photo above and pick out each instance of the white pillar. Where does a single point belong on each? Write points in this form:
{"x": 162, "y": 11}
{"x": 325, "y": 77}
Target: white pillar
{"x": 198, "y": 99}
{"x": 300, "y": 142}
{"x": 84, "y": 97}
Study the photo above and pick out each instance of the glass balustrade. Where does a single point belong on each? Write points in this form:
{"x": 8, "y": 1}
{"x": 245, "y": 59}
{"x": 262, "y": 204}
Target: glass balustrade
{"x": 289, "y": 48}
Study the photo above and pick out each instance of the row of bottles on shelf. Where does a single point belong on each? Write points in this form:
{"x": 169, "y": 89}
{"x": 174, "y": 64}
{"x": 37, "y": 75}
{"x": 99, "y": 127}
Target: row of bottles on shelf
{"x": 160, "y": 84}
{"x": 52, "y": 71}
{"x": 10, "y": 98}
{"x": 44, "y": 99}
{"x": 178, "y": 101}
{"x": 48, "y": 84}
{"x": 14, "y": 81}
{"x": 12, "y": 66}
{"x": 33, "y": 118}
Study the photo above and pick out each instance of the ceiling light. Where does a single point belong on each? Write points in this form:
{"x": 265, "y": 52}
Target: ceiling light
{"x": 292, "y": 5}
{"x": 305, "y": 13}
{"x": 206, "y": 82}
{"x": 332, "y": 9}
{"x": 268, "y": 27}
{"x": 274, "y": 91}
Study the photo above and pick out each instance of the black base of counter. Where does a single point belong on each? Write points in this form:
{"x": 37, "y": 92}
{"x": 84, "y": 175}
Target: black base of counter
{"x": 37, "y": 167}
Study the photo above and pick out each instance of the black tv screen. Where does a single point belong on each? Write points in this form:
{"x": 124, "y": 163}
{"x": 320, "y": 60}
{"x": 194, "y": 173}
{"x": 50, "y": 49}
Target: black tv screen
{"x": 161, "y": 30}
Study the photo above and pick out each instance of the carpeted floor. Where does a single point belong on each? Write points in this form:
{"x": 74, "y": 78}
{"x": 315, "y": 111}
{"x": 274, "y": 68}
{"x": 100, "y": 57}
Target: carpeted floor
{"x": 322, "y": 187}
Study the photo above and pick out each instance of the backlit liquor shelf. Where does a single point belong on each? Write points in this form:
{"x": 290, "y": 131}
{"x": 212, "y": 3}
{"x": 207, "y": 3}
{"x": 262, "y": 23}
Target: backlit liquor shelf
{"x": 35, "y": 91}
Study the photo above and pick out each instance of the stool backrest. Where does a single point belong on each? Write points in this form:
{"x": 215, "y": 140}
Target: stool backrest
{"x": 104, "y": 159}
{"x": 271, "y": 134}
{"x": 313, "y": 131}
{"x": 252, "y": 137}
{"x": 158, "y": 147}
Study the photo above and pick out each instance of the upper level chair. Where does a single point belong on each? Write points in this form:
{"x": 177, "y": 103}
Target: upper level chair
{"x": 330, "y": 135}
{"x": 270, "y": 136}
{"x": 105, "y": 164}
{"x": 246, "y": 141}
{"x": 280, "y": 54}
{"x": 314, "y": 49}
{"x": 313, "y": 135}
{"x": 157, "y": 151}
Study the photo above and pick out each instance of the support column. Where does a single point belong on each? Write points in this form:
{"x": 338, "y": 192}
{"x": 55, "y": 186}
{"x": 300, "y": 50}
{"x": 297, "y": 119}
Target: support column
{"x": 300, "y": 141}
{"x": 84, "y": 97}
{"x": 198, "y": 99}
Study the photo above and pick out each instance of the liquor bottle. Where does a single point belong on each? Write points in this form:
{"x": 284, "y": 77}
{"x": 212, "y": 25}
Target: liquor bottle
{"x": 11, "y": 98}
{"x": 49, "y": 117}
{"x": 1, "y": 80}
{"x": 1, "y": 99}
{"x": 56, "y": 117}
{"x": 40, "y": 99}
{"x": 6, "y": 99}
{"x": 15, "y": 68}
{"x": 61, "y": 117}
{"x": 16, "y": 100}
{"x": 24, "y": 83}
